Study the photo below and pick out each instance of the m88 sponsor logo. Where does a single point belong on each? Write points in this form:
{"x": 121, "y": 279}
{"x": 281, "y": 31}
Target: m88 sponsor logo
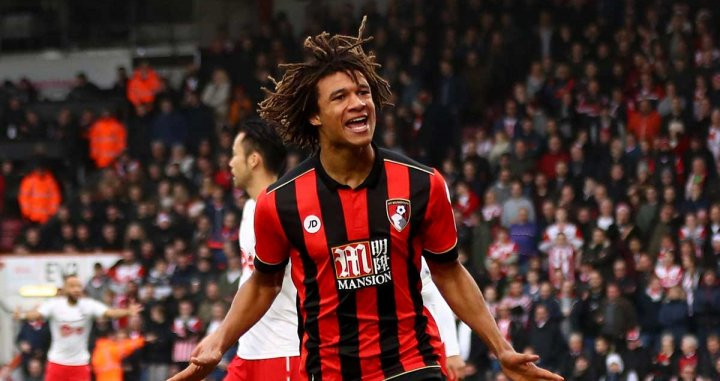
{"x": 361, "y": 264}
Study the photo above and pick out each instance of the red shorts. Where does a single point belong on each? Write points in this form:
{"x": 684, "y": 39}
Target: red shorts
{"x": 57, "y": 372}
{"x": 277, "y": 369}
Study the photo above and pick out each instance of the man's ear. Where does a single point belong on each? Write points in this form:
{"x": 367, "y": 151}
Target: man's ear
{"x": 315, "y": 120}
{"x": 254, "y": 160}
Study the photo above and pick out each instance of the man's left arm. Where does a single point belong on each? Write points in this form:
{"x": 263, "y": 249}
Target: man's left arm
{"x": 118, "y": 313}
{"x": 439, "y": 237}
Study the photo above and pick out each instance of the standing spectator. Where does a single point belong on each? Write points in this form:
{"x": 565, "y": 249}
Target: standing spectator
{"x": 561, "y": 225}
{"x": 548, "y": 161}
{"x": 143, "y": 86}
{"x": 502, "y": 250}
{"x": 524, "y": 234}
{"x": 187, "y": 329}
{"x": 561, "y": 261}
{"x": 216, "y": 94}
{"x": 228, "y": 281}
{"x": 709, "y": 357}
{"x": 618, "y": 315}
{"x": 599, "y": 254}
{"x": 110, "y": 351}
{"x": 636, "y": 357}
{"x": 33, "y": 340}
{"x": 169, "y": 126}
{"x": 83, "y": 89}
{"x": 674, "y": 313}
{"x": 158, "y": 349}
{"x": 99, "y": 283}
{"x": 665, "y": 364}
{"x": 39, "y": 196}
{"x": 545, "y": 338}
{"x": 644, "y": 123}
{"x": 689, "y": 353}
{"x": 706, "y": 306}
{"x": 512, "y": 205}
{"x": 107, "y": 139}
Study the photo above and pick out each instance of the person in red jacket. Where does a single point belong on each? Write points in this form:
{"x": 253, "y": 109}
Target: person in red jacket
{"x": 143, "y": 85}
{"x": 644, "y": 123}
{"x": 39, "y": 195}
{"x": 555, "y": 154}
{"x": 107, "y": 138}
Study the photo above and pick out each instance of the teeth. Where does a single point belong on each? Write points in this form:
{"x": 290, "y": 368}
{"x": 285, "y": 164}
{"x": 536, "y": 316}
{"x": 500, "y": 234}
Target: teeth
{"x": 360, "y": 119}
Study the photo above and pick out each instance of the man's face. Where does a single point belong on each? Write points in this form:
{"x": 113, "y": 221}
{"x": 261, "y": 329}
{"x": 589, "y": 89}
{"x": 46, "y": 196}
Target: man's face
{"x": 346, "y": 112}
{"x": 73, "y": 288}
{"x": 239, "y": 167}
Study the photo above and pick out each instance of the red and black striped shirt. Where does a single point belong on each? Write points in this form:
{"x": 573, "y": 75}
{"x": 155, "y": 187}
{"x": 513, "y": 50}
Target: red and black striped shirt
{"x": 355, "y": 257}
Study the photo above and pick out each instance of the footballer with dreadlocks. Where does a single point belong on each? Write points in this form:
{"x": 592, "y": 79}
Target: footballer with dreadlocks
{"x": 353, "y": 221}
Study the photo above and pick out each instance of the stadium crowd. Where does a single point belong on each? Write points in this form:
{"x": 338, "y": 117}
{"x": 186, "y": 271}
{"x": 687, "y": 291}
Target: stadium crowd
{"x": 581, "y": 141}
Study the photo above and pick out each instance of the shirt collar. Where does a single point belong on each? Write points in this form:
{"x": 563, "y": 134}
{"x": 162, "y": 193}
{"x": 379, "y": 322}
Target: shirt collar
{"x": 369, "y": 181}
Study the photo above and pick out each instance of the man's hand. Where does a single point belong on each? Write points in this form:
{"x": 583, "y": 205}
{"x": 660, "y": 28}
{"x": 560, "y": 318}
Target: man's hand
{"x": 203, "y": 360}
{"x": 455, "y": 367}
{"x": 134, "y": 309}
{"x": 521, "y": 367}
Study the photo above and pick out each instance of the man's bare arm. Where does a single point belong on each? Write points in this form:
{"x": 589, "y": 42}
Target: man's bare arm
{"x": 251, "y": 302}
{"x": 464, "y": 297}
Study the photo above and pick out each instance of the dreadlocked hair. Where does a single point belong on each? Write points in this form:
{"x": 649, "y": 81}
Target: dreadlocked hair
{"x": 294, "y": 99}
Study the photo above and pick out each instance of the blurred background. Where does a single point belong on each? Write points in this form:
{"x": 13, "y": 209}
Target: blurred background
{"x": 580, "y": 140}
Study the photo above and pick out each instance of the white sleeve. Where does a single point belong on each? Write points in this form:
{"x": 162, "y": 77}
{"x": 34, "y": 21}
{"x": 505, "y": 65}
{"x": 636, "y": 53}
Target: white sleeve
{"x": 441, "y": 312}
{"x": 45, "y": 309}
{"x": 96, "y": 308}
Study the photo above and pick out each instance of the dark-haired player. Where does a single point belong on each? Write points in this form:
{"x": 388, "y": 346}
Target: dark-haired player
{"x": 270, "y": 350}
{"x": 354, "y": 220}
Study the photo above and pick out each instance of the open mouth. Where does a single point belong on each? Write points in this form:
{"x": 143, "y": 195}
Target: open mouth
{"x": 359, "y": 124}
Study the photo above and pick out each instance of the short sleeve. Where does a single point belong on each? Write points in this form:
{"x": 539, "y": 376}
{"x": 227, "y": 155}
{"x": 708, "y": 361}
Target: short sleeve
{"x": 45, "y": 309}
{"x": 271, "y": 245}
{"x": 439, "y": 233}
{"x": 96, "y": 308}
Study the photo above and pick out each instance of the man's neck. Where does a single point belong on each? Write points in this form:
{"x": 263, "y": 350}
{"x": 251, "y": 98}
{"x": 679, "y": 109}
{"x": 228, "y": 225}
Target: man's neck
{"x": 260, "y": 180}
{"x": 347, "y": 166}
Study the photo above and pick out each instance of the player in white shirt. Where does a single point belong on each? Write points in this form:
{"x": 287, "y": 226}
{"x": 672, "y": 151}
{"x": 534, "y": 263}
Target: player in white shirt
{"x": 270, "y": 350}
{"x": 71, "y": 319}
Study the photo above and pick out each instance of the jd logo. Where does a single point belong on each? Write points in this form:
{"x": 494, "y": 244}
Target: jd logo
{"x": 312, "y": 224}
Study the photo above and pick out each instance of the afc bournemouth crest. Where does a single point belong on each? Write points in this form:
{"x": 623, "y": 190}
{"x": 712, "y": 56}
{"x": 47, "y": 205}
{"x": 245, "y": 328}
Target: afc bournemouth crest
{"x": 398, "y": 212}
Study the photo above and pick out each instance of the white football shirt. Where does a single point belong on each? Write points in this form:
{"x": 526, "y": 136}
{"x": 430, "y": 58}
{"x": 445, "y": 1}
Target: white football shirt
{"x": 70, "y": 328}
{"x": 276, "y": 334}
{"x": 440, "y": 311}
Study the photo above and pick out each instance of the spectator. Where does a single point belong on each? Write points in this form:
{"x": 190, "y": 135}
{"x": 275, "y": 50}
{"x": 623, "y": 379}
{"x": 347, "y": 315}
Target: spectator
{"x": 637, "y": 359}
{"x": 706, "y": 306}
{"x": 83, "y": 89}
{"x": 107, "y": 139}
{"x": 502, "y": 250}
{"x": 98, "y": 284}
{"x": 158, "y": 348}
{"x": 545, "y": 338}
{"x": 109, "y": 352}
{"x": 169, "y": 127}
{"x": 618, "y": 316}
{"x": 187, "y": 329}
{"x": 143, "y": 85}
{"x": 39, "y": 196}
{"x": 674, "y": 314}
{"x": 513, "y": 204}
{"x": 216, "y": 94}
{"x": 709, "y": 357}
{"x": 562, "y": 260}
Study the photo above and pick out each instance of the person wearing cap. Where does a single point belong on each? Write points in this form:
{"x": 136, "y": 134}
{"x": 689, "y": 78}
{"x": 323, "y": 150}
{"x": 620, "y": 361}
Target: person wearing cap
{"x": 636, "y": 357}
{"x": 614, "y": 368}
